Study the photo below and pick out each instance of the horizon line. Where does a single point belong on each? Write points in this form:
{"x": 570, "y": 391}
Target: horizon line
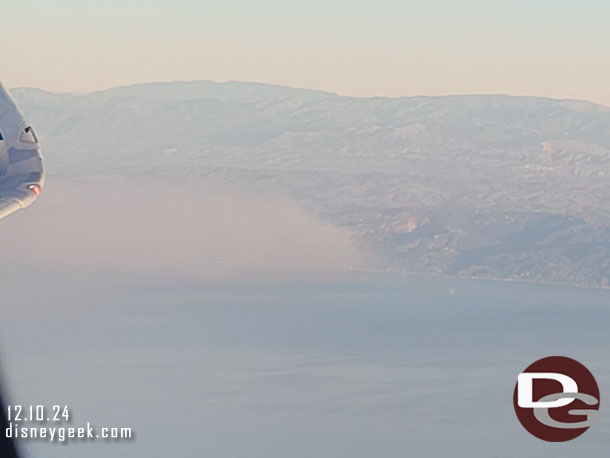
{"x": 320, "y": 91}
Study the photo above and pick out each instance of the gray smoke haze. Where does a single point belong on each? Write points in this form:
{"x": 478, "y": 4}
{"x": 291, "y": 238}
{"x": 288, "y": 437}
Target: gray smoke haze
{"x": 149, "y": 227}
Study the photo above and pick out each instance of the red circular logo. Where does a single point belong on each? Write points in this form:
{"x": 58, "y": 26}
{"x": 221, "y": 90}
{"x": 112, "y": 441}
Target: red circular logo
{"x": 556, "y": 399}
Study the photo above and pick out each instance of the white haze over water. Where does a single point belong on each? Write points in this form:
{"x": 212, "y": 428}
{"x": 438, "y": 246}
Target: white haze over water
{"x": 146, "y": 227}
{"x": 161, "y": 307}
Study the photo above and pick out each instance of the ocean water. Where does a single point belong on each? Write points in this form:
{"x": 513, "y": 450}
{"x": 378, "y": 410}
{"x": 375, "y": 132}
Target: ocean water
{"x": 352, "y": 366}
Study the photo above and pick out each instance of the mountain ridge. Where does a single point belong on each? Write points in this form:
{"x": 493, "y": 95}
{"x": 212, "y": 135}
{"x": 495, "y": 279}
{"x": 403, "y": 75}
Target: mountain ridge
{"x": 191, "y": 84}
{"x": 442, "y": 185}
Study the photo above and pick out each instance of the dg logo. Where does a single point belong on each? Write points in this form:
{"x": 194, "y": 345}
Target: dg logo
{"x": 556, "y": 399}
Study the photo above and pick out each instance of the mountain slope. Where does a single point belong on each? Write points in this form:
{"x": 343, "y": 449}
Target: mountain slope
{"x": 443, "y": 185}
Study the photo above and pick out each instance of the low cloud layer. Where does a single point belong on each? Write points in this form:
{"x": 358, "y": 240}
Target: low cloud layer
{"x": 148, "y": 227}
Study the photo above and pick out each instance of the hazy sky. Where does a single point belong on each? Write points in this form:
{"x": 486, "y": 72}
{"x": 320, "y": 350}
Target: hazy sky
{"x": 554, "y": 48}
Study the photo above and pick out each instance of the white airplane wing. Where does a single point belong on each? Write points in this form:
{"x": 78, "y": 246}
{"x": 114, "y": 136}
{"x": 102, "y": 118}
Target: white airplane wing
{"x": 21, "y": 164}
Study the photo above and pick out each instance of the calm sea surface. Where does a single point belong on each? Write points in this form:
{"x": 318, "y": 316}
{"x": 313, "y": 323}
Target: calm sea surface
{"x": 357, "y": 366}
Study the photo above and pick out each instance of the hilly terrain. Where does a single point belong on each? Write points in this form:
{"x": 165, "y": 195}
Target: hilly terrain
{"x": 485, "y": 186}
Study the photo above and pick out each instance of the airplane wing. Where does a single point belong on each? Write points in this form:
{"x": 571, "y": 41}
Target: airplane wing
{"x": 21, "y": 182}
{"x": 21, "y": 164}
{"x": 8, "y": 206}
